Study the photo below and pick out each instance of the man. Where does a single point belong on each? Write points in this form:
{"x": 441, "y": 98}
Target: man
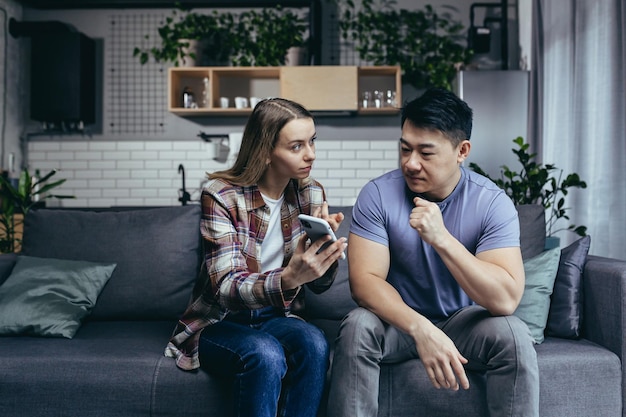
{"x": 436, "y": 268}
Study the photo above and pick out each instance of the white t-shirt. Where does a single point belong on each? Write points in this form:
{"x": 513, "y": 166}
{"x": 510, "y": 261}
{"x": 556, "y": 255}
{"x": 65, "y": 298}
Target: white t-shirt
{"x": 272, "y": 248}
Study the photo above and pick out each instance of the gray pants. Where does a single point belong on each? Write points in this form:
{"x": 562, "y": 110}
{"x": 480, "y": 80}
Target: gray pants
{"x": 502, "y": 347}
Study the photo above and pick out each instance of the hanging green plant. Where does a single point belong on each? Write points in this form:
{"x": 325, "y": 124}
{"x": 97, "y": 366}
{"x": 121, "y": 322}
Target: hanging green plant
{"x": 212, "y": 31}
{"x": 430, "y": 47}
{"x": 251, "y": 38}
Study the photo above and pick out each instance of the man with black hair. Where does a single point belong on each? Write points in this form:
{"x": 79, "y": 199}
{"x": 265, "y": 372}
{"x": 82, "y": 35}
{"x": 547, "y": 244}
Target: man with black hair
{"x": 436, "y": 268}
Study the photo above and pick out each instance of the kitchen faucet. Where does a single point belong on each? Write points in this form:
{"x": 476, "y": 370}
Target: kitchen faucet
{"x": 185, "y": 196}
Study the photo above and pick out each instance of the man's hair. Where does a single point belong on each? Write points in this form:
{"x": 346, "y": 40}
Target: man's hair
{"x": 259, "y": 139}
{"x": 440, "y": 109}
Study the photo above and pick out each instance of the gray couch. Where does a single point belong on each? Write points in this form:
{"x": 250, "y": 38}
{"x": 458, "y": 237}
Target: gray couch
{"x": 114, "y": 365}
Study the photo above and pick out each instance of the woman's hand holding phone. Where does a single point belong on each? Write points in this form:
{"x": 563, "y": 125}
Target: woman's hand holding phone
{"x": 317, "y": 228}
{"x": 308, "y": 264}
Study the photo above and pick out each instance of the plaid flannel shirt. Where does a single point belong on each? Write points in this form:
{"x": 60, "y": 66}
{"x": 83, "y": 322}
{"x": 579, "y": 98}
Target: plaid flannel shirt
{"x": 233, "y": 225}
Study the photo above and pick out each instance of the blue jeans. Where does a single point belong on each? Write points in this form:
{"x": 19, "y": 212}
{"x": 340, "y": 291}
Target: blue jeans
{"x": 277, "y": 364}
{"x": 501, "y": 347}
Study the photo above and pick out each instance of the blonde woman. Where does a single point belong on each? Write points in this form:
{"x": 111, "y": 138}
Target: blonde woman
{"x": 239, "y": 325}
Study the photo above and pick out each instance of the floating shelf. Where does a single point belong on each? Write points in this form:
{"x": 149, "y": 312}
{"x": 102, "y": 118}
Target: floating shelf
{"x": 318, "y": 88}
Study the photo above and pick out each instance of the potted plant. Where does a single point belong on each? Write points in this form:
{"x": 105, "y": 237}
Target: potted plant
{"x": 264, "y": 37}
{"x": 183, "y": 30}
{"x": 536, "y": 183}
{"x": 428, "y": 46}
{"x": 15, "y": 203}
{"x": 250, "y": 38}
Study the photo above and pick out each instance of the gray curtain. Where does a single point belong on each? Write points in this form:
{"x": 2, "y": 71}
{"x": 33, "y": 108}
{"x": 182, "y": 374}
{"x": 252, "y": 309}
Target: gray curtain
{"x": 578, "y": 115}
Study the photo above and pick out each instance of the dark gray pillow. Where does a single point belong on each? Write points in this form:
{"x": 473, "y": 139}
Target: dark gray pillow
{"x": 566, "y": 307}
{"x": 532, "y": 221}
{"x": 156, "y": 252}
{"x": 50, "y": 297}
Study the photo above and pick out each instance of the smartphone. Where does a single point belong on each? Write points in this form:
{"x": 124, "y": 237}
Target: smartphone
{"x": 315, "y": 228}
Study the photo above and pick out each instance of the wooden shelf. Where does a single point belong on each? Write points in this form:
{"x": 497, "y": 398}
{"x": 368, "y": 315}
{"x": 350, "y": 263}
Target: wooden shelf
{"x": 318, "y": 88}
{"x": 383, "y": 79}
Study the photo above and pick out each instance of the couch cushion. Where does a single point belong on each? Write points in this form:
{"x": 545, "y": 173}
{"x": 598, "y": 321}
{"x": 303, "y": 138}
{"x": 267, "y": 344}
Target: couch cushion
{"x": 566, "y": 306}
{"x": 156, "y": 251}
{"x": 578, "y": 379}
{"x": 50, "y": 297}
{"x": 108, "y": 369}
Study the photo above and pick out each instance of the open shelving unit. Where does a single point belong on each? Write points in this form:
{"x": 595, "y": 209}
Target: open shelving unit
{"x": 318, "y": 88}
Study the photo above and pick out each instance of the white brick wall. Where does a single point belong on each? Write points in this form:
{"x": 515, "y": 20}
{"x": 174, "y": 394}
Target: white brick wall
{"x": 145, "y": 173}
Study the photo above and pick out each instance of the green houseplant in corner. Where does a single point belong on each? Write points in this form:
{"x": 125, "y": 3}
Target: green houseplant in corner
{"x": 15, "y": 202}
{"x": 430, "y": 47}
{"x": 536, "y": 183}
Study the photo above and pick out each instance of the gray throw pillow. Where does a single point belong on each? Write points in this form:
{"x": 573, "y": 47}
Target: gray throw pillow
{"x": 50, "y": 297}
{"x": 535, "y": 304}
{"x": 566, "y": 307}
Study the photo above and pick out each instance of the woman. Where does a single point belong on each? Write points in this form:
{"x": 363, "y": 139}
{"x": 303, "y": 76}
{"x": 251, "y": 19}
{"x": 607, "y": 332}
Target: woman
{"x": 239, "y": 325}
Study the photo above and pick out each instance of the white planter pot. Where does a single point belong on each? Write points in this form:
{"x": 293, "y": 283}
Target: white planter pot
{"x": 188, "y": 61}
{"x": 296, "y": 55}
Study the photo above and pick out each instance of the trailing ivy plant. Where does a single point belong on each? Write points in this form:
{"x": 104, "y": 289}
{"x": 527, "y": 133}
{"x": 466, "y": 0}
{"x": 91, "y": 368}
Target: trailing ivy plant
{"x": 213, "y": 30}
{"x": 536, "y": 183}
{"x": 254, "y": 37}
{"x": 430, "y": 47}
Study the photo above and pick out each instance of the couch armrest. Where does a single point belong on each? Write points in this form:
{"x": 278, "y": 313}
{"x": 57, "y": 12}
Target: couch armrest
{"x": 604, "y": 314}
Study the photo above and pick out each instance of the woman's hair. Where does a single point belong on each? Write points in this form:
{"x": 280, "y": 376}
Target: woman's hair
{"x": 259, "y": 139}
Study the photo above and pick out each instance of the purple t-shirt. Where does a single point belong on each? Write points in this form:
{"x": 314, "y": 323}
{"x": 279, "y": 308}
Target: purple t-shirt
{"x": 477, "y": 213}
